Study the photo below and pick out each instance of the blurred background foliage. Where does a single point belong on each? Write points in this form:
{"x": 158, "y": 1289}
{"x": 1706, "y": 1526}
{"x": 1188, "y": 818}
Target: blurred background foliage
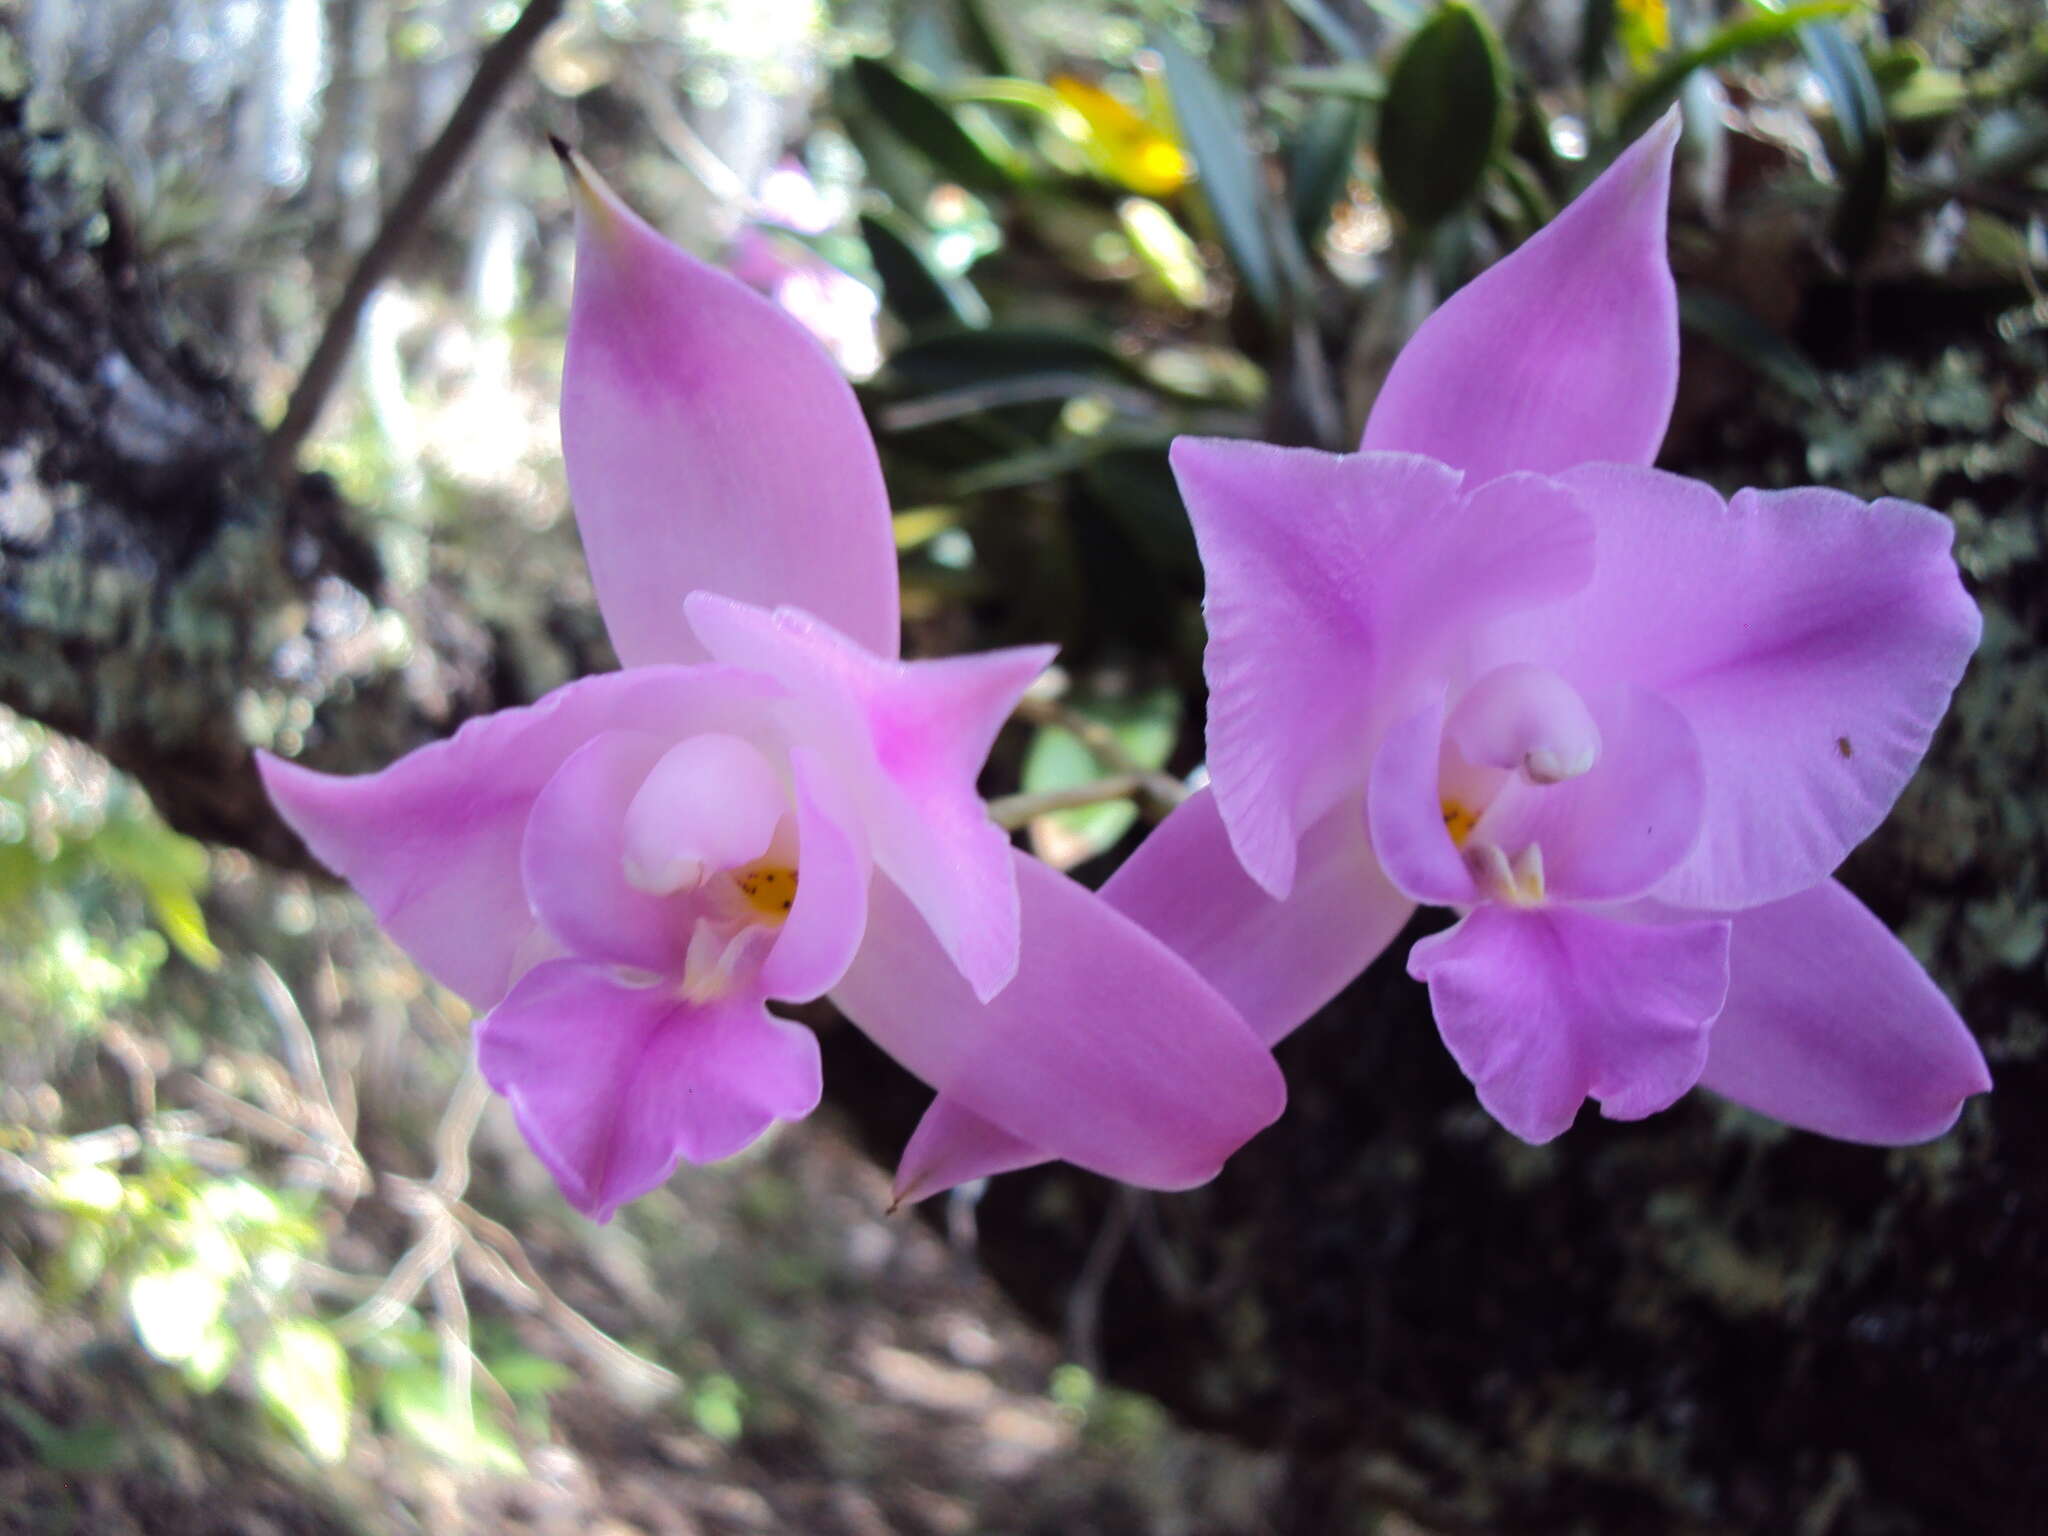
{"x": 272, "y": 1260}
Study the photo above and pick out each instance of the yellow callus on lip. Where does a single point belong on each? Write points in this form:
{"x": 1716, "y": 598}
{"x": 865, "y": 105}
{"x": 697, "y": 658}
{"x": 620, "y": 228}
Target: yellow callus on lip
{"x": 1459, "y": 821}
{"x": 769, "y": 889}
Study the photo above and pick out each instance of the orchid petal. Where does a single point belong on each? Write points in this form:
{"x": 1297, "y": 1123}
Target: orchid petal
{"x": 910, "y": 739}
{"x": 1544, "y": 1008}
{"x": 1406, "y": 812}
{"x": 1563, "y": 353}
{"x": 1107, "y": 1050}
{"x": 711, "y": 802}
{"x": 1613, "y": 832}
{"x": 1336, "y": 583}
{"x": 613, "y": 1084}
{"x": 1820, "y": 639}
{"x": 1832, "y": 1026}
{"x": 572, "y": 859}
{"x": 432, "y": 842}
{"x": 710, "y": 445}
{"x": 952, "y": 1145}
{"x": 825, "y": 924}
{"x": 1276, "y": 962}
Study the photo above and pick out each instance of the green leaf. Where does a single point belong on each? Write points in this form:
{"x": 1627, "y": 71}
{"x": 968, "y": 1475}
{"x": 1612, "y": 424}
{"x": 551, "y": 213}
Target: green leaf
{"x": 1742, "y": 335}
{"x": 929, "y": 126}
{"x": 1146, "y": 728}
{"x": 1866, "y": 140}
{"x": 916, "y": 290}
{"x": 207, "y": 1366}
{"x": 302, "y": 1376}
{"x": 171, "y": 870}
{"x": 414, "y": 1401}
{"x": 175, "y": 1306}
{"x": 1166, "y": 249}
{"x": 1319, "y": 164}
{"x": 1445, "y": 115}
{"x": 717, "y": 1405}
{"x": 1336, "y": 35}
{"x": 1212, "y": 126}
{"x": 1752, "y": 34}
{"x": 93, "y": 1446}
{"x": 967, "y": 358}
{"x": 523, "y": 1374}
{"x": 992, "y": 38}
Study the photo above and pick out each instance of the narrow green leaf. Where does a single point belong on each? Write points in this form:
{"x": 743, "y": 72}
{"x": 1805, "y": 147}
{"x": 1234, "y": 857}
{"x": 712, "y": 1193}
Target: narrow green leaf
{"x": 1319, "y": 164}
{"x": 1866, "y": 138}
{"x": 1212, "y": 126}
{"x": 1445, "y": 115}
{"x": 1752, "y": 34}
{"x": 302, "y": 1377}
{"x": 966, "y": 358}
{"x": 916, "y": 290}
{"x": 928, "y": 125}
{"x": 1596, "y": 37}
{"x": 1354, "y": 79}
{"x": 993, "y": 39}
{"x": 1337, "y": 36}
{"x": 1742, "y": 335}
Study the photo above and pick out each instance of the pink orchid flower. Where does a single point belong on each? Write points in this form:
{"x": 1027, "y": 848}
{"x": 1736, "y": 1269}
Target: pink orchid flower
{"x": 764, "y": 805}
{"x": 1625, "y": 729}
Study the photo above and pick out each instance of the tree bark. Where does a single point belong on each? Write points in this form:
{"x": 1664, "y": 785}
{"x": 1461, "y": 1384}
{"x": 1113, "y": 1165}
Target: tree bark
{"x": 161, "y": 597}
{"x": 1700, "y": 1322}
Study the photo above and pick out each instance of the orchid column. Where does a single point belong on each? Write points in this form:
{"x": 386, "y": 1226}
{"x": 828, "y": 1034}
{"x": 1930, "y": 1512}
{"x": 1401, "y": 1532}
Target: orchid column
{"x": 765, "y": 804}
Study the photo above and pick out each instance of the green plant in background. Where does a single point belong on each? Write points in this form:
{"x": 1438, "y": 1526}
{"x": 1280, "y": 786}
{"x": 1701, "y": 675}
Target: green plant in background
{"x": 1233, "y": 243}
{"x": 82, "y": 855}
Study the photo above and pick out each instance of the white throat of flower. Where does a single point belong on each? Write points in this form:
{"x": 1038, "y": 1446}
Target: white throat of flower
{"x": 743, "y": 910}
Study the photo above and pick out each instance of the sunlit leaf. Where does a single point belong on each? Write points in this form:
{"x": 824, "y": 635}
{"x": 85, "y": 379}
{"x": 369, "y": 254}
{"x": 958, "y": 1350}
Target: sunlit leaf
{"x": 1751, "y": 34}
{"x": 207, "y": 1366}
{"x": 1644, "y": 27}
{"x": 1122, "y": 146}
{"x": 302, "y": 1376}
{"x": 174, "y": 1306}
{"x": 1166, "y": 249}
{"x": 414, "y": 1401}
{"x": 1445, "y": 115}
{"x": 171, "y": 871}
{"x": 716, "y": 1405}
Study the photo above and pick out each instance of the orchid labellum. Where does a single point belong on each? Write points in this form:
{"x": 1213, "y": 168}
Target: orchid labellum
{"x": 1623, "y": 728}
{"x": 765, "y": 804}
